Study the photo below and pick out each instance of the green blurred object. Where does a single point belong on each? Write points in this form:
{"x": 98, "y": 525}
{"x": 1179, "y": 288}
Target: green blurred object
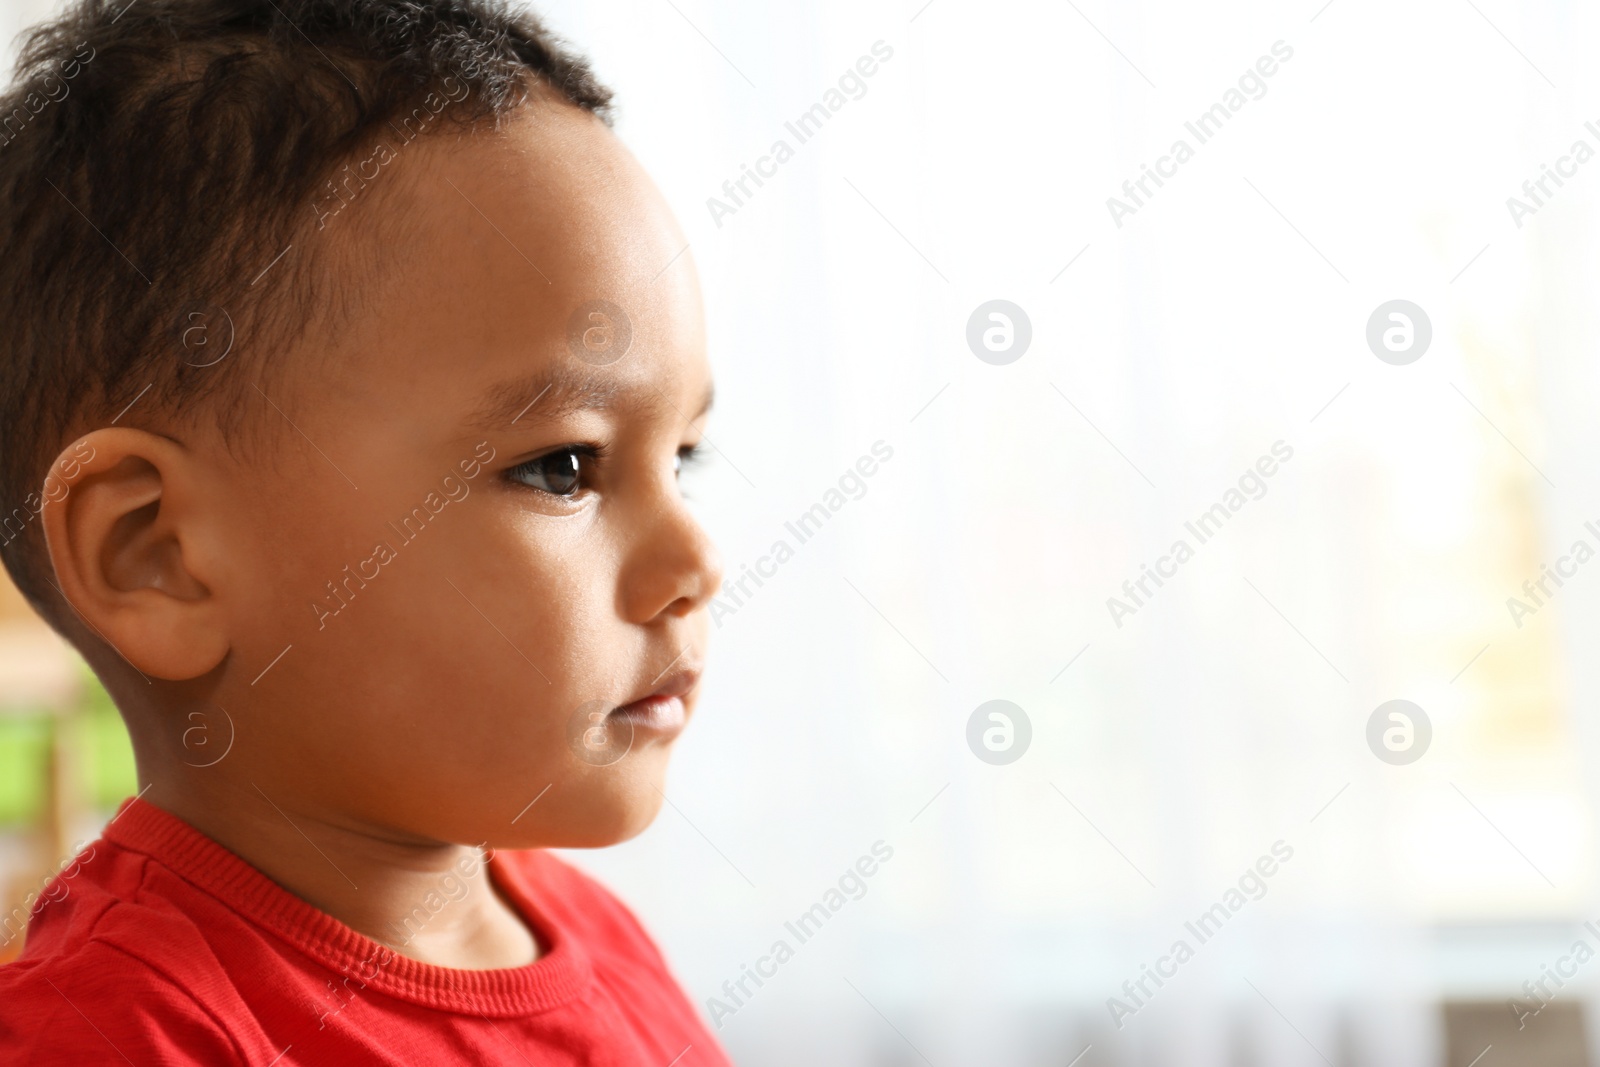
{"x": 101, "y": 741}
{"x": 24, "y": 741}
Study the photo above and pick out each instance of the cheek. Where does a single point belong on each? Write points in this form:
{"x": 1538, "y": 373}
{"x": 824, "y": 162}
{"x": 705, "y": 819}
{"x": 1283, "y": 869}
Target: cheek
{"x": 458, "y": 668}
{"x": 436, "y": 690}
{"x": 449, "y": 709}
{"x": 550, "y": 588}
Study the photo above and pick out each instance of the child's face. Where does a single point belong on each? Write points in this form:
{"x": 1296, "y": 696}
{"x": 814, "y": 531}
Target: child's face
{"x": 492, "y": 615}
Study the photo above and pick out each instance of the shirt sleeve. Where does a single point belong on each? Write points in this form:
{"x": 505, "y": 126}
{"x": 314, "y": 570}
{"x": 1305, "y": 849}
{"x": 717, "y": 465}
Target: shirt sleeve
{"x": 104, "y": 1006}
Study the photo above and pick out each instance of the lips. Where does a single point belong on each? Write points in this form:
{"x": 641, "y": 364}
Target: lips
{"x": 661, "y": 714}
{"x": 663, "y": 709}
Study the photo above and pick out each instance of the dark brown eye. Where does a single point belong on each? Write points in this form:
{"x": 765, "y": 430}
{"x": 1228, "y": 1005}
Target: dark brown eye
{"x": 558, "y": 473}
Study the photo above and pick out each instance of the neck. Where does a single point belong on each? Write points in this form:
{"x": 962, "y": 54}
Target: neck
{"x": 430, "y": 900}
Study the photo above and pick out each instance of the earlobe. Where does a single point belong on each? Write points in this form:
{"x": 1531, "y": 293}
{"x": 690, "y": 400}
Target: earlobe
{"x": 122, "y": 522}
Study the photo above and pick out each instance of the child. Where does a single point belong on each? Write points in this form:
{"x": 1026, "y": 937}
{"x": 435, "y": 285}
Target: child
{"x": 349, "y": 361}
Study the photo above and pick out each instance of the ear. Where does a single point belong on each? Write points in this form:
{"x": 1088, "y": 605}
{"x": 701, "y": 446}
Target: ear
{"x": 127, "y": 531}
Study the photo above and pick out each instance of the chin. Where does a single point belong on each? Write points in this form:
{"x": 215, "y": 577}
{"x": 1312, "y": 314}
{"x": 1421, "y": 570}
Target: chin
{"x": 592, "y": 813}
{"x": 634, "y": 822}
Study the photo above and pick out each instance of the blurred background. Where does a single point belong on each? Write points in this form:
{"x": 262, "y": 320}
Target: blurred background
{"x": 1431, "y": 876}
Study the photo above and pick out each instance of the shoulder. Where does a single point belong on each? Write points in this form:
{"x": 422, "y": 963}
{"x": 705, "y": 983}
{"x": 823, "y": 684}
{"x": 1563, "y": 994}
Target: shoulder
{"x": 110, "y": 966}
{"x": 99, "y": 1003}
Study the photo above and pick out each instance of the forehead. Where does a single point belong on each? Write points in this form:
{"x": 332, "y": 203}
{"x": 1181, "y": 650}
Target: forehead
{"x": 534, "y": 262}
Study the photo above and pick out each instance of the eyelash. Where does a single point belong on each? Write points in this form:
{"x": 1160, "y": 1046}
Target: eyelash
{"x": 693, "y": 455}
{"x": 688, "y": 456}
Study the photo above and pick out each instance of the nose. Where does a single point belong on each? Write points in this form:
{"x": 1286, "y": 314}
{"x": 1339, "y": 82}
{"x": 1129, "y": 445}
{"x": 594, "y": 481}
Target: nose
{"x": 674, "y": 568}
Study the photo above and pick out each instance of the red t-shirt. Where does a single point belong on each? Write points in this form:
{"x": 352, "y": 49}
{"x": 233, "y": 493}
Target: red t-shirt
{"x": 159, "y": 946}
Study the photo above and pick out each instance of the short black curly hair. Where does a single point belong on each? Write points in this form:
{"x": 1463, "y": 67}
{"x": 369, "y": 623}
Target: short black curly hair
{"x": 157, "y": 155}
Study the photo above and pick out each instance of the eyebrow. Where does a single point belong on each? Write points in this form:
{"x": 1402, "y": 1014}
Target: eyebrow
{"x": 559, "y": 391}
